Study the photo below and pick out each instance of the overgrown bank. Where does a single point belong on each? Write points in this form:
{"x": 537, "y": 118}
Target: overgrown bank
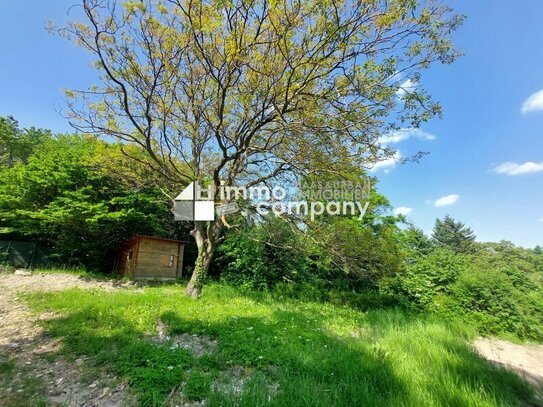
{"x": 251, "y": 348}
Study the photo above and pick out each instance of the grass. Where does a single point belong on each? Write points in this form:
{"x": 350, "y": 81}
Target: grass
{"x": 76, "y": 271}
{"x": 276, "y": 351}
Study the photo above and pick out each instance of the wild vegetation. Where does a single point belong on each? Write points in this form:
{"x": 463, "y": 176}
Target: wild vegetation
{"x": 340, "y": 312}
{"x": 247, "y": 348}
{"x": 298, "y": 310}
{"x": 80, "y": 196}
{"x": 316, "y": 310}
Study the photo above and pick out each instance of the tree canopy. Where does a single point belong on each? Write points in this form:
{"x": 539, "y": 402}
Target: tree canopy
{"x": 246, "y": 92}
{"x": 16, "y": 145}
{"x": 81, "y": 198}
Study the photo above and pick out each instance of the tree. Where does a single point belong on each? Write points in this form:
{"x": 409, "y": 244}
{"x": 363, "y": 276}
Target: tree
{"x": 361, "y": 252}
{"x": 453, "y": 235}
{"x": 64, "y": 197}
{"x": 17, "y": 145}
{"x": 245, "y": 92}
{"x": 416, "y": 242}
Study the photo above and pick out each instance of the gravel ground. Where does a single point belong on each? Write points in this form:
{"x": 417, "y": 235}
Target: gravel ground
{"x": 23, "y": 340}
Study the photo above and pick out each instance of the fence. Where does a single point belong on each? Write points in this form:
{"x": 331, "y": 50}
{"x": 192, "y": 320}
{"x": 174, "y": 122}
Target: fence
{"x": 23, "y": 254}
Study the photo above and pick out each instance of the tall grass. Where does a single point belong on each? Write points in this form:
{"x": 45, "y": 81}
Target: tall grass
{"x": 292, "y": 353}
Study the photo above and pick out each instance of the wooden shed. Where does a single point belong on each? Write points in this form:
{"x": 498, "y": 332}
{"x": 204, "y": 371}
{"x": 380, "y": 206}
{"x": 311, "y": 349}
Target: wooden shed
{"x": 151, "y": 258}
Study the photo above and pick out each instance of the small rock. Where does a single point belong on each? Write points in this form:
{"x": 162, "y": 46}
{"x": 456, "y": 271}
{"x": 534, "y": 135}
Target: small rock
{"x": 22, "y": 273}
{"x": 93, "y": 385}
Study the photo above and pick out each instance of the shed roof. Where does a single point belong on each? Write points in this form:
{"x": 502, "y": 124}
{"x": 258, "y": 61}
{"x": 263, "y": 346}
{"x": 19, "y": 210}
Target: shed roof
{"x": 157, "y": 238}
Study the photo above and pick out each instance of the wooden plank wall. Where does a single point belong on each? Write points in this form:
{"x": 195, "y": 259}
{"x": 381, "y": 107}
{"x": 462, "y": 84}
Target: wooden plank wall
{"x": 157, "y": 259}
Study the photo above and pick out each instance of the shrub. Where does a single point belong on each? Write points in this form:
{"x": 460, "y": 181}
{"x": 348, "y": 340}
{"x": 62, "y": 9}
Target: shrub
{"x": 420, "y": 282}
{"x": 266, "y": 255}
{"x": 493, "y": 302}
{"x": 498, "y": 291}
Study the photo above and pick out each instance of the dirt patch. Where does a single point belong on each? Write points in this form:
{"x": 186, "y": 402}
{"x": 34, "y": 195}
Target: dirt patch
{"x": 57, "y": 282}
{"x": 198, "y": 345}
{"x": 233, "y": 380}
{"x": 67, "y": 384}
{"x": 23, "y": 340}
{"x": 230, "y": 381}
{"x": 526, "y": 360}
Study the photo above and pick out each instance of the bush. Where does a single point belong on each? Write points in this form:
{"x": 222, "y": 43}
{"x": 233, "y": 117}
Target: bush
{"x": 362, "y": 254}
{"x": 261, "y": 257}
{"x": 420, "y": 282}
{"x": 498, "y": 291}
{"x": 489, "y": 300}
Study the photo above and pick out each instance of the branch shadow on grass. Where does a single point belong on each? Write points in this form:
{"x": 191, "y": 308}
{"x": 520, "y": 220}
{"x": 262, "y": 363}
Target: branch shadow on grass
{"x": 289, "y": 359}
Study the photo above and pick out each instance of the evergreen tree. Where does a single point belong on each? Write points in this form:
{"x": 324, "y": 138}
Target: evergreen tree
{"x": 453, "y": 235}
{"x": 416, "y": 241}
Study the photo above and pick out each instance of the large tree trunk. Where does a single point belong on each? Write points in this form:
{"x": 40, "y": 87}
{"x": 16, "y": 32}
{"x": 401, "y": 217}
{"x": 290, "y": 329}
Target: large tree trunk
{"x": 205, "y": 254}
{"x": 206, "y": 243}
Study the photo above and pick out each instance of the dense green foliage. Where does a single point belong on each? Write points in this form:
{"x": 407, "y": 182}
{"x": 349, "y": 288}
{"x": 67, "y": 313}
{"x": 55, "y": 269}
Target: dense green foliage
{"x": 335, "y": 252}
{"x": 77, "y": 195}
{"x": 266, "y": 255}
{"x": 17, "y": 145}
{"x": 274, "y": 351}
{"x": 83, "y": 197}
{"x": 498, "y": 289}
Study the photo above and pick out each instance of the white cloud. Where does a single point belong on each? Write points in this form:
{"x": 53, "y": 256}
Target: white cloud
{"x": 533, "y": 103}
{"x": 406, "y": 86}
{"x": 403, "y": 134}
{"x": 387, "y": 164}
{"x": 446, "y": 200}
{"x": 511, "y": 168}
{"x": 402, "y": 210}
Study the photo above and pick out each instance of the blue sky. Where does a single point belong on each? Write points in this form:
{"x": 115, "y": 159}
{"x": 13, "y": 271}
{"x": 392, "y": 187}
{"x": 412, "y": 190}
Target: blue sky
{"x": 483, "y": 127}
